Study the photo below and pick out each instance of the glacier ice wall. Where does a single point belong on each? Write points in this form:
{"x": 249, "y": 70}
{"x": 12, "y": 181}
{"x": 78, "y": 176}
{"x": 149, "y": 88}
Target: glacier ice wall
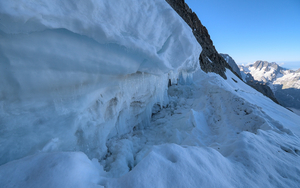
{"x": 76, "y": 73}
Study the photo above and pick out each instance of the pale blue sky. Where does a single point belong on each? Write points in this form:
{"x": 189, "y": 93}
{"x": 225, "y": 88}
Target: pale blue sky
{"x": 250, "y": 30}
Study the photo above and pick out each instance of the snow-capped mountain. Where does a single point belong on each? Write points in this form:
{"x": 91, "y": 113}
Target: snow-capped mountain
{"x": 284, "y": 83}
{"x": 264, "y": 71}
{"x": 111, "y": 94}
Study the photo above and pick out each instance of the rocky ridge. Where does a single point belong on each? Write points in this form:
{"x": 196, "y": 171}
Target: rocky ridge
{"x": 210, "y": 59}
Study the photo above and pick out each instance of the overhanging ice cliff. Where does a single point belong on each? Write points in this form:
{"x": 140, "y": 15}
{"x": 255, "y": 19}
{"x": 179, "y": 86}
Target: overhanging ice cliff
{"x": 75, "y": 73}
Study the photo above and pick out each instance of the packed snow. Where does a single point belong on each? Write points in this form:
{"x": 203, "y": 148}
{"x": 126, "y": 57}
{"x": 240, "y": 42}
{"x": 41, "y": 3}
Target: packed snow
{"x": 213, "y": 133}
{"x": 85, "y": 102}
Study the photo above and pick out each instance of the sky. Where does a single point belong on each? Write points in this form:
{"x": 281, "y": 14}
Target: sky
{"x": 250, "y": 30}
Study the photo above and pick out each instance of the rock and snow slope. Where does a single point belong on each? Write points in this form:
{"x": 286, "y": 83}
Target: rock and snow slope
{"x": 284, "y": 83}
{"x": 210, "y": 59}
{"x": 232, "y": 63}
{"x": 73, "y": 85}
{"x": 261, "y": 87}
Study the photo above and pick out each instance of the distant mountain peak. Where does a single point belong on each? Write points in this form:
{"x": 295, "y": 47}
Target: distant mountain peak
{"x": 261, "y": 64}
{"x": 285, "y": 83}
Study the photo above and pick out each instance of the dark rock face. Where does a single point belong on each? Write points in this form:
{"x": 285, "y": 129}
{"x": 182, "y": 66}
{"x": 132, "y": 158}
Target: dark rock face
{"x": 263, "y": 88}
{"x": 232, "y": 63}
{"x": 210, "y": 60}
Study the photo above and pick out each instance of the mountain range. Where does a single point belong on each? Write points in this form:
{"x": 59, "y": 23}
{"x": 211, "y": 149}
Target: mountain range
{"x": 284, "y": 83}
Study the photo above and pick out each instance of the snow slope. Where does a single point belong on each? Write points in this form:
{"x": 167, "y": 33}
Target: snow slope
{"x": 213, "y": 133}
{"x": 75, "y": 73}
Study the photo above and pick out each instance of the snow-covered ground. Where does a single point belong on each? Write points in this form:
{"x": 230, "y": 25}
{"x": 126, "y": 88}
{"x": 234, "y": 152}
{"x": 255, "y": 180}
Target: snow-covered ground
{"x": 82, "y": 86}
{"x": 296, "y": 111}
{"x": 213, "y": 133}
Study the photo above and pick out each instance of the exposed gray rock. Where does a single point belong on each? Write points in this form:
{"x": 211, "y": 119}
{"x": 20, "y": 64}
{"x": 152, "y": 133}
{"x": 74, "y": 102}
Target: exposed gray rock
{"x": 210, "y": 59}
{"x": 231, "y": 63}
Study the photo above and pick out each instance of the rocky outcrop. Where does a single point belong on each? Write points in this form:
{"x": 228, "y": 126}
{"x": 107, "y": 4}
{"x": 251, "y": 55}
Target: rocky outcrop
{"x": 231, "y": 63}
{"x": 210, "y": 59}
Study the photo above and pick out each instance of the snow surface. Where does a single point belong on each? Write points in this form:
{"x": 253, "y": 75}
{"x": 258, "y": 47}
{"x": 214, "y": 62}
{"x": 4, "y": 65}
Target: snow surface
{"x": 75, "y": 73}
{"x": 296, "y": 111}
{"x": 51, "y": 170}
{"x": 213, "y": 133}
{"x": 77, "y": 99}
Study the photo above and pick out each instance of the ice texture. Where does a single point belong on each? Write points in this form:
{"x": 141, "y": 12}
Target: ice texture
{"x": 75, "y": 73}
